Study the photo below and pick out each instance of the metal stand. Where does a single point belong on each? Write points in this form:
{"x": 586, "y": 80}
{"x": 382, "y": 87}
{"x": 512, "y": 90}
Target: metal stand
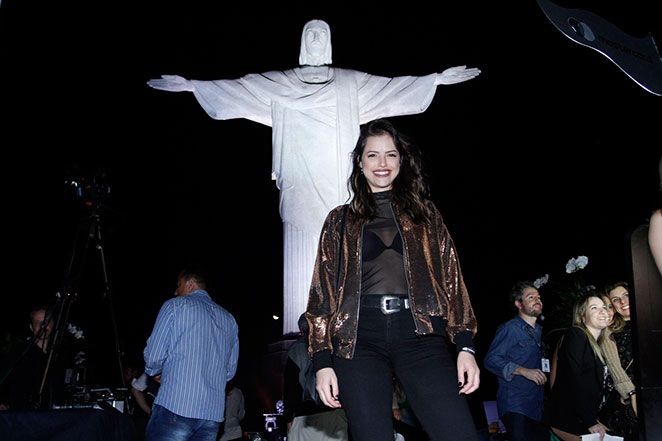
{"x": 97, "y": 189}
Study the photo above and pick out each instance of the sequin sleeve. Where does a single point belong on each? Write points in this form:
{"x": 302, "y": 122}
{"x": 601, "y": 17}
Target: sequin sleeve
{"x": 460, "y": 312}
{"x": 322, "y": 297}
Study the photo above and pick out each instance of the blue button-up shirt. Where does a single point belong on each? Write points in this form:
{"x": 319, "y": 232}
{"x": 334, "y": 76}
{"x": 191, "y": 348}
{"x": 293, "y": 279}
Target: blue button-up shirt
{"x": 512, "y": 347}
{"x": 194, "y": 346}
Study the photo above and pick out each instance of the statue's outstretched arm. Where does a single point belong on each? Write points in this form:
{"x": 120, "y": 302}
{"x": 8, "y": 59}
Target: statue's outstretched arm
{"x": 171, "y": 83}
{"x": 457, "y": 74}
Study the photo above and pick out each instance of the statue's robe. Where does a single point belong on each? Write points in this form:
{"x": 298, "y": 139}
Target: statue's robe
{"x": 315, "y": 126}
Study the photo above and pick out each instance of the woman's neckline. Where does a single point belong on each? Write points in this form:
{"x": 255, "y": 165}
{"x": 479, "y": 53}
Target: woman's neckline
{"x": 382, "y": 195}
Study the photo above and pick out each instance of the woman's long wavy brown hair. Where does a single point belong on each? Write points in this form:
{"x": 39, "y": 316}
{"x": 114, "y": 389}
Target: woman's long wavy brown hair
{"x": 410, "y": 191}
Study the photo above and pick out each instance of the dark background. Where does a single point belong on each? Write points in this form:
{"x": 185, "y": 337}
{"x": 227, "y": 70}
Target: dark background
{"x": 552, "y": 152}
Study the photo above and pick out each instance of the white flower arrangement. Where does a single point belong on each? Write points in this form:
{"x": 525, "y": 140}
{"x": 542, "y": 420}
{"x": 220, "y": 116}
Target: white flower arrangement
{"x": 575, "y": 264}
{"x": 541, "y": 281}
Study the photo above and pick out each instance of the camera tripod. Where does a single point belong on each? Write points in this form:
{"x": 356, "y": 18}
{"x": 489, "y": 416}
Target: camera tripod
{"x": 91, "y": 227}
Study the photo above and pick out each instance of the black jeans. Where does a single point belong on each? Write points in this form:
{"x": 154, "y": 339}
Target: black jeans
{"x": 387, "y": 347}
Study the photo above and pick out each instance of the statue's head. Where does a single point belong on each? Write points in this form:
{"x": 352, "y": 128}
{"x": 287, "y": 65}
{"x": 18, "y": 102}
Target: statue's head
{"x": 315, "y": 44}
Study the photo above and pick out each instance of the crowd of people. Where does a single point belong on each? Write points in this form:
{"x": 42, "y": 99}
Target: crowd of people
{"x": 590, "y": 373}
{"x": 388, "y": 296}
{"x": 185, "y": 390}
{"x": 387, "y": 337}
{"x": 584, "y": 384}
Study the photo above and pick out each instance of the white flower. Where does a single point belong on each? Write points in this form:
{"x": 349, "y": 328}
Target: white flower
{"x": 541, "y": 281}
{"x": 79, "y": 358}
{"x": 75, "y": 331}
{"x": 575, "y": 264}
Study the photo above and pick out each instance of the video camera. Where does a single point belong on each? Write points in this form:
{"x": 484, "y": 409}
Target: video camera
{"x": 90, "y": 189}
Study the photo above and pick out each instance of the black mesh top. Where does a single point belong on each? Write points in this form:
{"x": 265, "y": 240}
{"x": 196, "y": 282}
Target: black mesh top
{"x": 382, "y": 270}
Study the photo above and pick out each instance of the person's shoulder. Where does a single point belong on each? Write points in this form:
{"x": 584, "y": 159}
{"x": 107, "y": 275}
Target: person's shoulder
{"x": 203, "y": 301}
{"x": 339, "y": 209}
{"x": 575, "y": 334}
{"x": 574, "y": 330}
{"x": 336, "y": 214}
{"x": 225, "y": 313}
{"x": 515, "y": 322}
{"x": 436, "y": 216}
{"x": 509, "y": 325}
{"x": 175, "y": 304}
{"x": 170, "y": 303}
{"x": 191, "y": 300}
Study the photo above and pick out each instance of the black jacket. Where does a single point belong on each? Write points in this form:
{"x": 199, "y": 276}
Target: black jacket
{"x": 578, "y": 390}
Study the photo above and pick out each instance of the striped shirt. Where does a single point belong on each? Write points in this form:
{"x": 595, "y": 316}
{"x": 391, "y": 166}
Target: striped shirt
{"x": 194, "y": 346}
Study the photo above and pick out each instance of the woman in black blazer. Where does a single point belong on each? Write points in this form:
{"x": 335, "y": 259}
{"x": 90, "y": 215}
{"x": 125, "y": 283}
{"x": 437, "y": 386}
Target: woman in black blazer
{"x": 578, "y": 391}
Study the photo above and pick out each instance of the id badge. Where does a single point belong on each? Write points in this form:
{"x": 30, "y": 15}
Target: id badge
{"x": 545, "y": 365}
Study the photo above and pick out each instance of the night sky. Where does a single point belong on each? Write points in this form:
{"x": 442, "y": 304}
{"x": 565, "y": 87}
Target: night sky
{"x": 552, "y": 152}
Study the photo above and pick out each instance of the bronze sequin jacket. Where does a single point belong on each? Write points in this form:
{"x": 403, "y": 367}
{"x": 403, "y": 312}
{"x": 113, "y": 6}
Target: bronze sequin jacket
{"x": 436, "y": 286}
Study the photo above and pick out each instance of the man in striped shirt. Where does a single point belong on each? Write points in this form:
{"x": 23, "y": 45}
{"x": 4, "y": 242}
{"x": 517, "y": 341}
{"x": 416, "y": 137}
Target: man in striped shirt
{"x": 194, "y": 346}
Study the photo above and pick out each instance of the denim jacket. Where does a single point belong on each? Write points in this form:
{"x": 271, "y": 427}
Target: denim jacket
{"x": 516, "y": 344}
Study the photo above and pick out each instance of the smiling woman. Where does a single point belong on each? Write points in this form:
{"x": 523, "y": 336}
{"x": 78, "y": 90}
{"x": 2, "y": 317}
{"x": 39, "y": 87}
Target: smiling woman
{"x": 620, "y": 299}
{"x": 387, "y": 298}
{"x": 380, "y": 162}
{"x": 595, "y": 317}
{"x": 579, "y": 388}
{"x": 621, "y": 408}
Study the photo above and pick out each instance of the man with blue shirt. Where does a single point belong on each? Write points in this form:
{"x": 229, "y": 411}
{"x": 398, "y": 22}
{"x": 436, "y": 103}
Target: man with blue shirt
{"x": 194, "y": 346}
{"x": 517, "y": 357}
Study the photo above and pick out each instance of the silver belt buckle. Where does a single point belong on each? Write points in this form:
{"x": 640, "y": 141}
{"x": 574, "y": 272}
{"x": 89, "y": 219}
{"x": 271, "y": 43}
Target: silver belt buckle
{"x": 384, "y": 306}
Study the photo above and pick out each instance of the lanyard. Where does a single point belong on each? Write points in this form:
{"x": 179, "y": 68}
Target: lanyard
{"x": 540, "y": 346}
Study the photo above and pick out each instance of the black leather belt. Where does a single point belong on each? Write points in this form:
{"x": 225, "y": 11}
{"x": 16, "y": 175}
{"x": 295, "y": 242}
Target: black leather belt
{"x": 388, "y": 304}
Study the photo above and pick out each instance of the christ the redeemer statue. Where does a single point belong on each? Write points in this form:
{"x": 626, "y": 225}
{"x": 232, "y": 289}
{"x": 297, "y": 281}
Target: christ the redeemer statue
{"x": 315, "y": 111}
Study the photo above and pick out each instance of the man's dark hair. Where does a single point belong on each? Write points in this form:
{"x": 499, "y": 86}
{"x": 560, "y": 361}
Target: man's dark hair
{"x": 517, "y": 291}
{"x": 196, "y": 273}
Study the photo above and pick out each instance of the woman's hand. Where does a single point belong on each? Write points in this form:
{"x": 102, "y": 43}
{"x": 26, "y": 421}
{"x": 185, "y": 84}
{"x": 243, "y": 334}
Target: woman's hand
{"x": 598, "y": 428}
{"x": 468, "y": 374}
{"x": 327, "y": 387}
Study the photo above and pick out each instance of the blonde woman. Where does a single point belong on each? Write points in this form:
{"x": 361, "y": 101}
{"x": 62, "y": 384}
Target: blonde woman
{"x": 579, "y": 389}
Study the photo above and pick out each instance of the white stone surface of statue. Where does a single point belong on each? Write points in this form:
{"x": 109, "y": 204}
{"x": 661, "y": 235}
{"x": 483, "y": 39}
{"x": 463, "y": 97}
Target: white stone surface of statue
{"x": 315, "y": 111}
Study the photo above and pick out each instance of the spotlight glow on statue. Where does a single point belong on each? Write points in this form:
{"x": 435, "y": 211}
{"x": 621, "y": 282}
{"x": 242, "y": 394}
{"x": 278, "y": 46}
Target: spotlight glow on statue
{"x": 315, "y": 111}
